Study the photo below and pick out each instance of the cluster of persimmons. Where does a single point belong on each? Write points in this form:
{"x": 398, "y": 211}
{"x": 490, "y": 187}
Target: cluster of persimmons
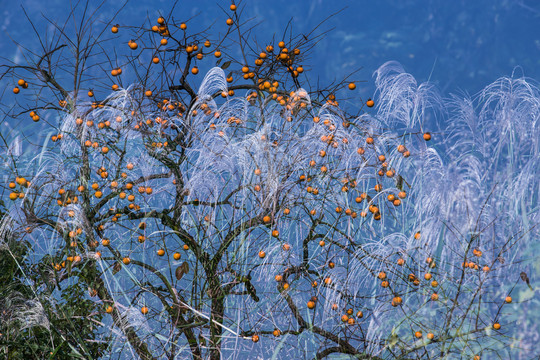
{"x": 118, "y": 193}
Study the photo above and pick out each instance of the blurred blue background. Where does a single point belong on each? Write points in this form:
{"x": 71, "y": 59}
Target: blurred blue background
{"x": 461, "y": 46}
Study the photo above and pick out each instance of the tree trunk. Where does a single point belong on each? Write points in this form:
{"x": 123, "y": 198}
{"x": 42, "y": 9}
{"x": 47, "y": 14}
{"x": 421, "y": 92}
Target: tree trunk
{"x": 218, "y": 300}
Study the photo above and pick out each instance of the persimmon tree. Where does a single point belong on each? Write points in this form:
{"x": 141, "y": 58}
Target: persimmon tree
{"x": 212, "y": 202}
